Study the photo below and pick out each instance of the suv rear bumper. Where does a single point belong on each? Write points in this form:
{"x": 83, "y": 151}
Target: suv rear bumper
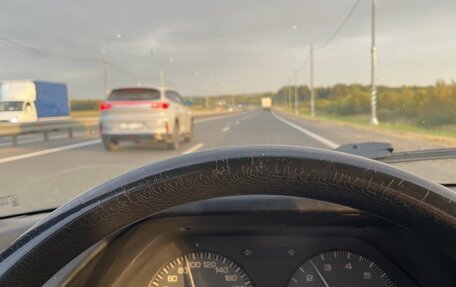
{"x": 136, "y": 137}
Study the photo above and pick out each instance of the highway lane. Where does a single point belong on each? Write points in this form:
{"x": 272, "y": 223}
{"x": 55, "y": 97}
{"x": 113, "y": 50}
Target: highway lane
{"x": 54, "y": 173}
{"x": 34, "y": 142}
{"x": 342, "y": 133}
{"x": 34, "y": 138}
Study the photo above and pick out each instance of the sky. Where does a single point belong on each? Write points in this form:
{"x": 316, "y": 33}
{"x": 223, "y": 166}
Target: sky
{"x": 208, "y": 47}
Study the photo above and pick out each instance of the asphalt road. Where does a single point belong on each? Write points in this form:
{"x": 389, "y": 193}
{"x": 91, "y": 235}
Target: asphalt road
{"x": 41, "y": 175}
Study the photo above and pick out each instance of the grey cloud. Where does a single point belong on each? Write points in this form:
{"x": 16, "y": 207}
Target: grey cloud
{"x": 238, "y": 43}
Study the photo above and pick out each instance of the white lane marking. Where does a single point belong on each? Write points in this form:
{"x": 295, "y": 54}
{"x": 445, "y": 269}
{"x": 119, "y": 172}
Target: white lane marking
{"x": 124, "y": 167}
{"x": 250, "y": 115}
{"x": 237, "y": 122}
{"x": 194, "y": 148}
{"x": 313, "y": 135}
{"x": 221, "y": 117}
{"x": 48, "y": 151}
{"x": 225, "y": 129}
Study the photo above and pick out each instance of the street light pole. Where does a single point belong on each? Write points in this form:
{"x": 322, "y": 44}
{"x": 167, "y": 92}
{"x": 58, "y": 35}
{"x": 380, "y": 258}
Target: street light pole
{"x": 374, "y": 120}
{"x": 162, "y": 77}
{"x": 311, "y": 56}
{"x": 289, "y": 95}
{"x": 295, "y": 76}
{"x": 105, "y": 72}
{"x": 104, "y": 62}
{"x": 312, "y": 89}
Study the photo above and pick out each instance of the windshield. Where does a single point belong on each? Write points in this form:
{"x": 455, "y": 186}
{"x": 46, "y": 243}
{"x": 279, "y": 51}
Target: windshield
{"x": 317, "y": 74}
{"x": 134, "y": 95}
{"x": 10, "y": 106}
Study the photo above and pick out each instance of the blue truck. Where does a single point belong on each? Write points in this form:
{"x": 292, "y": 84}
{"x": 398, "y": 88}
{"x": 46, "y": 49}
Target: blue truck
{"x": 31, "y": 101}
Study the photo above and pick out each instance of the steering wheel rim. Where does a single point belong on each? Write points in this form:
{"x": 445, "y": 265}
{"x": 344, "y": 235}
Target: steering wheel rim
{"x": 422, "y": 206}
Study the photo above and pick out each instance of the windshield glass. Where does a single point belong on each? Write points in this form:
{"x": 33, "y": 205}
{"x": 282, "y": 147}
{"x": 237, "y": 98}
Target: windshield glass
{"x": 134, "y": 95}
{"x": 317, "y": 74}
{"x": 10, "y": 106}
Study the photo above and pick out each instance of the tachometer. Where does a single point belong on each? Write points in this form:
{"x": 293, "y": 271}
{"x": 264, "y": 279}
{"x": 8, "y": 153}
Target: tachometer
{"x": 199, "y": 269}
{"x": 339, "y": 268}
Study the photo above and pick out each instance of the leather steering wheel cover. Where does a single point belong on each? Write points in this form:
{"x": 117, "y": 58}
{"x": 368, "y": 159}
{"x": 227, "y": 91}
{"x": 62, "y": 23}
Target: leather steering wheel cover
{"x": 422, "y": 206}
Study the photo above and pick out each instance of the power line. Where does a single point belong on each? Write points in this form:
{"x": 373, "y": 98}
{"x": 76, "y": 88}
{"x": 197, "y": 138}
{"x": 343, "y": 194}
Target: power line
{"x": 40, "y": 52}
{"x": 125, "y": 71}
{"x": 306, "y": 61}
{"x": 352, "y": 10}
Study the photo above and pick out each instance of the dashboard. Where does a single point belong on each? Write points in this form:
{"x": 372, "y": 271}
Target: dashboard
{"x": 269, "y": 261}
{"x": 269, "y": 241}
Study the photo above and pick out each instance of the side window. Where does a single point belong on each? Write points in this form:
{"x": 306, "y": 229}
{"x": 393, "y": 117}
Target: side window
{"x": 174, "y": 97}
{"x": 181, "y": 100}
{"x": 170, "y": 96}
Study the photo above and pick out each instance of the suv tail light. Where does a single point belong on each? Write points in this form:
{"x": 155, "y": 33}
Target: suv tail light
{"x": 159, "y": 105}
{"x": 155, "y": 105}
{"x": 105, "y": 106}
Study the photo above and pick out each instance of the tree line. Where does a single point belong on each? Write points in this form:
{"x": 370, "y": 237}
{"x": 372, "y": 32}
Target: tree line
{"x": 423, "y": 105}
{"x": 433, "y": 105}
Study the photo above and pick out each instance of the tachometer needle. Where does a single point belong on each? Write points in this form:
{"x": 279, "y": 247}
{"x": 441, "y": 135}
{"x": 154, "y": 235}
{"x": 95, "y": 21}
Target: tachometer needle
{"x": 192, "y": 282}
{"x": 319, "y": 274}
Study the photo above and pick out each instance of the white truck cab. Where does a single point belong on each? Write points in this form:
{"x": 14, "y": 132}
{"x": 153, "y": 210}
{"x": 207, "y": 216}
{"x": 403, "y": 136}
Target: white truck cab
{"x": 17, "y": 102}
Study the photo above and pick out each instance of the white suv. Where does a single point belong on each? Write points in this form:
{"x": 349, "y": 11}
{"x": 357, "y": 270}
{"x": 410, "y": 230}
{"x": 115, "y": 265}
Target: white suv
{"x": 145, "y": 114}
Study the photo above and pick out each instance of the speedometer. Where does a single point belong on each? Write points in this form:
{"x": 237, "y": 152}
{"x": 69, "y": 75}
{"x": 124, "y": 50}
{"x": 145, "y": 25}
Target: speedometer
{"x": 199, "y": 269}
{"x": 340, "y": 268}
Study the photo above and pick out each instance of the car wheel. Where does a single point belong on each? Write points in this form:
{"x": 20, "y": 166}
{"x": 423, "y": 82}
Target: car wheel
{"x": 174, "y": 143}
{"x": 188, "y": 137}
{"x": 110, "y": 145}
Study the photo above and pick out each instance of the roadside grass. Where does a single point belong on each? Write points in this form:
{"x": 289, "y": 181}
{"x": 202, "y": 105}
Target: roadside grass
{"x": 446, "y": 131}
{"x": 85, "y": 114}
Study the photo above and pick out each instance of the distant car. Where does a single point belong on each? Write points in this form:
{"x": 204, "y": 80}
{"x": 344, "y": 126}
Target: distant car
{"x": 145, "y": 114}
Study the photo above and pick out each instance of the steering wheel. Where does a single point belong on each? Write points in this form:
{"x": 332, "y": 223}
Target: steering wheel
{"x": 419, "y": 205}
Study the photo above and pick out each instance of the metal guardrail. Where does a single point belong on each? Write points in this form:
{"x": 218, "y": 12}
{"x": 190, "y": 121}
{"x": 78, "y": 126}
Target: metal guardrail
{"x": 46, "y": 127}
{"x": 70, "y": 125}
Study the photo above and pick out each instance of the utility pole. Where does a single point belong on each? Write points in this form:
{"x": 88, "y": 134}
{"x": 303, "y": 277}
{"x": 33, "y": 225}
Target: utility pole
{"x": 295, "y": 76}
{"x": 279, "y": 98}
{"x": 162, "y": 77}
{"x": 289, "y": 95}
{"x": 282, "y": 99}
{"x": 374, "y": 120}
{"x": 105, "y": 72}
{"x": 312, "y": 89}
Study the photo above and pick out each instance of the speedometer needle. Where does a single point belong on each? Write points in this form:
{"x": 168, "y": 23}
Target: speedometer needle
{"x": 192, "y": 282}
{"x": 319, "y": 274}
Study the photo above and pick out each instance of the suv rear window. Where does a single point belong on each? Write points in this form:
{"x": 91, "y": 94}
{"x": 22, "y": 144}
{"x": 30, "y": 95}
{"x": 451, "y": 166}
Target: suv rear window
{"x": 134, "y": 95}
